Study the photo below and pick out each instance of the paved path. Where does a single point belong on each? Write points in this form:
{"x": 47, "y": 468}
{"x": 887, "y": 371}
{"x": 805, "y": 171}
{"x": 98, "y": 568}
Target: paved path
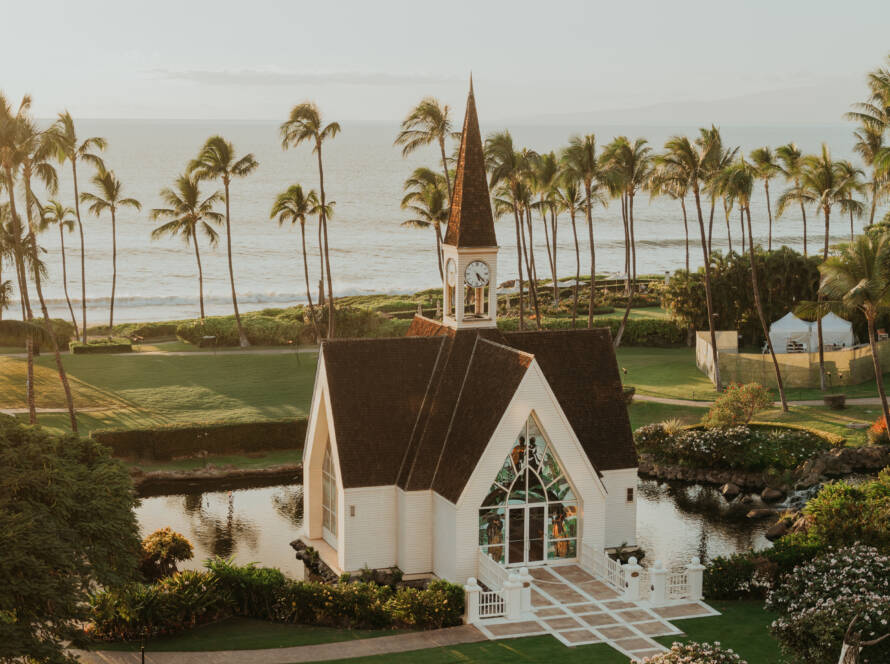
{"x": 578, "y": 609}
{"x": 380, "y": 645}
{"x": 25, "y": 411}
{"x": 221, "y": 351}
{"x": 859, "y": 401}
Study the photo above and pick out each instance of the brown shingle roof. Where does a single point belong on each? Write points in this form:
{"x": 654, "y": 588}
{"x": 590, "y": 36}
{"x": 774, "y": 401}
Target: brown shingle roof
{"x": 418, "y": 411}
{"x": 582, "y": 371}
{"x": 470, "y": 223}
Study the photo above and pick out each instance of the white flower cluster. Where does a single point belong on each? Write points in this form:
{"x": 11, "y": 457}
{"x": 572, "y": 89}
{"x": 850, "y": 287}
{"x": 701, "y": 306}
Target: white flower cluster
{"x": 695, "y": 653}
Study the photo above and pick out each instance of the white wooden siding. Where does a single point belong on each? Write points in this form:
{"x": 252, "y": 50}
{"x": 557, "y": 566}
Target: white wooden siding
{"x": 415, "y": 531}
{"x": 445, "y": 539}
{"x": 369, "y": 537}
{"x": 621, "y": 515}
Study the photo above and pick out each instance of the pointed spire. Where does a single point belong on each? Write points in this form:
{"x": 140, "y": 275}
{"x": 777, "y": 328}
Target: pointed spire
{"x": 471, "y": 223}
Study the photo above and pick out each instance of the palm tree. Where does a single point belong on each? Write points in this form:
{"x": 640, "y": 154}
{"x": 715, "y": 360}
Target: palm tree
{"x": 217, "y": 161}
{"x": 717, "y": 159}
{"x": 305, "y": 124}
{"x": 766, "y": 169}
{"x": 55, "y": 213}
{"x": 544, "y": 174}
{"x": 823, "y": 183}
{"x": 293, "y": 205}
{"x": 508, "y": 166}
{"x": 426, "y": 198}
{"x": 737, "y": 182}
{"x": 68, "y": 147}
{"x": 853, "y": 186}
{"x": 857, "y": 280}
{"x": 664, "y": 182}
{"x": 189, "y": 214}
{"x": 570, "y": 199}
{"x": 109, "y": 197}
{"x": 790, "y": 163}
{"x": 723, "y": 159}
{"x": 687, "y": 161}
{"x": 427, "y": 123}
{"x": 581, "y": 161}
{"x": 870, "y": 147}
{"x": 629, "y": 167}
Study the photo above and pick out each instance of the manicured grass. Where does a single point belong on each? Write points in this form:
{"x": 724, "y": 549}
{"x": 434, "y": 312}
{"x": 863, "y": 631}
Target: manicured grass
{"x": 742, "y": 627}
{"x": 246, "y": 634}
{"x": 264, "y": 460}
{"x": 48, "y": 388}
{"x": 664, "y": 372}
{"x": 648, "y": 412}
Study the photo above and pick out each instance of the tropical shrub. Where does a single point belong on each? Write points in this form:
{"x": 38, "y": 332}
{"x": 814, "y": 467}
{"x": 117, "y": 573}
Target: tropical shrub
{"x": 98, "y": 346}
{"x": 877, "y": 432}
{"x": 440, "y": 605}
{"x": 260, "y": 331}
{"x": 13, "y": 333}
{"x": 737, "y": 405}
{"x": 214, "y": 438}
{"x": 842, "y": 513}
{"x": 819, "y": 599}
{"x": 161, "y": 551}
{"x": 695, "y": 653}
{"x": 252, "y": 589}
{"x": 749, "y": 448}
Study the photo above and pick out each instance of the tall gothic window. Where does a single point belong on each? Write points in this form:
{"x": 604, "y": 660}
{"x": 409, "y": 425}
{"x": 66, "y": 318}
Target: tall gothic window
{"x": 530, "y": 513}
{"x": 329, "y": 492}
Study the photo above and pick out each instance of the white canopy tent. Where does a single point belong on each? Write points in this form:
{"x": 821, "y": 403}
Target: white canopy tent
{"x": 790, "y": 331}
{"x": 835, "y": 332}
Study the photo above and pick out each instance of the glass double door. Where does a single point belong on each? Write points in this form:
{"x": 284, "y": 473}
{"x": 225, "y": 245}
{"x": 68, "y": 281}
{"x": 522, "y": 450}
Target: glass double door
{"x": 525, "y": 528}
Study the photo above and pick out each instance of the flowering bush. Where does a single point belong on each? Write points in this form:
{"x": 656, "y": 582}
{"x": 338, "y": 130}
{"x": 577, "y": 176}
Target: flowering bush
{"x": 817, "y": 601}
{"x": 877, "y": 432}
{"x": 695, "y": 653}
{"x": 161, "y": 551}
{"x": 751, "y": 448}
{"x": 737, "y": 405}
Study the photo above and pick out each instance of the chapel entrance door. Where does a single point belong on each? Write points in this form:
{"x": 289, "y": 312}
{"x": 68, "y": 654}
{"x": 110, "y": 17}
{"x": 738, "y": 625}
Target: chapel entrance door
{"x": 526, "y": 535}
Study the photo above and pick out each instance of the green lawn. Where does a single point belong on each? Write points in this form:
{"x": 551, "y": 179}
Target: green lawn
{"x": 742, "y": 627}
{"x": 664, "y": 372}
{"x": 245, "y": 634}
{"x": 259, "y": 460}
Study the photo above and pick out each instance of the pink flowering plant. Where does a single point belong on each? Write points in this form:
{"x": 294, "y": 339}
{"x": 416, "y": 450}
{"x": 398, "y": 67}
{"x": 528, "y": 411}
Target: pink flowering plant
{"x": 695, "y": 653}
{"x": 817, "y": 601}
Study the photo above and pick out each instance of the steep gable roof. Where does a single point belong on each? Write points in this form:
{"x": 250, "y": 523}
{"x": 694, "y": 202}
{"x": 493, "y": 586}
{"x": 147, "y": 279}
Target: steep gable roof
{"x": 470, "y": 223}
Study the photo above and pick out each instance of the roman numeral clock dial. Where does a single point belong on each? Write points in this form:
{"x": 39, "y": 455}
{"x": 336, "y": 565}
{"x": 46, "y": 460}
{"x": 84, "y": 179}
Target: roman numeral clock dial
{"x": 477, "y": 274}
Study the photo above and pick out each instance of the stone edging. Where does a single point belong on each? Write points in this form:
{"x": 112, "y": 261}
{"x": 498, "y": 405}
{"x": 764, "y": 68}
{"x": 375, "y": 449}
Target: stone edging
{"x": 161, "y": 482}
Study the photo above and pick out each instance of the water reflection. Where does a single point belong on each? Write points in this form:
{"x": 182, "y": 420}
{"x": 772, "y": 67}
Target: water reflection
{"x": 674, "y": 523}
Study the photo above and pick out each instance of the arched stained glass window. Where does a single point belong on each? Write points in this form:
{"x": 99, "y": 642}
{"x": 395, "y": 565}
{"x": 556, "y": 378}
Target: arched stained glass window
{"x": 530, "y": 513}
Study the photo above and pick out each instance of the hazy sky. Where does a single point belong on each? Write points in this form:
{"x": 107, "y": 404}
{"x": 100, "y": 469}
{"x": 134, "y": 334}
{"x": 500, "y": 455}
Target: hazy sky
{"x": 371, "y": 60}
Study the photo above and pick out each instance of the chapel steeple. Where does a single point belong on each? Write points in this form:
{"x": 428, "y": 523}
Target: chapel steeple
{"x": 470, "y": 246}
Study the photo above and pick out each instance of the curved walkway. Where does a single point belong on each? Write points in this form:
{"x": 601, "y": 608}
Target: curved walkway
{"x": 321, "y": 652}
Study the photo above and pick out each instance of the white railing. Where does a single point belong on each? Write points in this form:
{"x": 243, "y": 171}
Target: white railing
{"x": 613, "y": 573}
{"x": 491, "y": 572}
{"x": 677, "y": 585}
{"x": 491, "y": 604}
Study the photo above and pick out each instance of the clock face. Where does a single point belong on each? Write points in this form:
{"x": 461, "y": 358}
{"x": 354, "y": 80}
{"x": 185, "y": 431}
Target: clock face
{"x": 451, "y": 272}
{"x": 477, "y": 274}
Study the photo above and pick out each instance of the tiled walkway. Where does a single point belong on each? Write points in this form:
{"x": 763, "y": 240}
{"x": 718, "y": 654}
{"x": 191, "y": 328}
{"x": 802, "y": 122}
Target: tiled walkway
{"x": 578, "y": 609}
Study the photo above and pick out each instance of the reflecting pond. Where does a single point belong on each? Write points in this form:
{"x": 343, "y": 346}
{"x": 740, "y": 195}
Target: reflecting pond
{"x": 674, "y": 523}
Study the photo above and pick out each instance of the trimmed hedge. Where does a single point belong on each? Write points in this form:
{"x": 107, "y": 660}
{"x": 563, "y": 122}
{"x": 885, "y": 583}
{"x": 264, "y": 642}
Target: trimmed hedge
{"x": 14, "y": 336}
{"x": 99, "y": 346}
{"x": 260, "y": 331}
{"x": 163, "y": 443}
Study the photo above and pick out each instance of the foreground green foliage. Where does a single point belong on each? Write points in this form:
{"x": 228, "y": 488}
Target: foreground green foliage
{"x": 191, "y": 598}
{"x": 751, "y": 574}
{"x": 66, "y": 515}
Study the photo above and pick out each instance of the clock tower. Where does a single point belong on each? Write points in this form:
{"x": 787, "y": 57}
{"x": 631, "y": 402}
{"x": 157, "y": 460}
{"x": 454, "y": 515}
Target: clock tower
{"x": 470, "y": 248}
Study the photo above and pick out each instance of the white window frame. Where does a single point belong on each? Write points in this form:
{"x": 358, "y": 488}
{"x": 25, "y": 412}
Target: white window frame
{"x": 329, "y": 498}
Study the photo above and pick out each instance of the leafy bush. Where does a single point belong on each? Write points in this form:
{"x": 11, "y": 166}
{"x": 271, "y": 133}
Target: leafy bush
{"x": 737, "y": 405}
{"x": 260, "y": 331}
{"x": 440, "y": 605}
{"x": 12, "y": 334}
{"x": 97, "y": 346}
{"x": 646, "y": 331}
{"x": 156, "y": 330}
{"x": 252, "y": 589}
{"x": 161, "y": 551}
{"x": 877, "y": 432}
{"x": 817, "y": 601}
{"x": 695, "y": 653}
{"x": 841, "y": 513}
{"x": 751, "y": 448}
{"x": 215, "y": 438}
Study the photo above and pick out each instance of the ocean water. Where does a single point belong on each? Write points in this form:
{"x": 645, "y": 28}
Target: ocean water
{"x": 370, "y": 251}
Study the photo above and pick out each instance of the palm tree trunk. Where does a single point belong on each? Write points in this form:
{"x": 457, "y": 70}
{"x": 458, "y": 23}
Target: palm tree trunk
{"x": 769, "y": 210}
{"x": 626, "y": 245}
{"x": 711, "y": 224}
{"x": 327, "y": 255}
{"x": 874, "y": 199}
{"x": 242, "y": 338}
{"x": 47, "y": 323}
{"x": 83, "y": 268}
{"x": 553, "y": 228}
{"x": 113, "y": 270}
{"x": 803, "y": 213}
{"x": 438, "y": 232}
{"x": 65, "y": 280}
{"x": 27, "y": 314}
{"x": 533, "y": 271}
{"x": 755, "y": 285}
{"x": 879, "y": 374}
{"x": 742, "y": 224}
{"x": 851, "y": 226}
{"x": 306, "y": 277}
{"x": 528, "y": 253}
{"x": 629, "y": 235}
{"x": 592, "y": 303}
{"x": 728, "y": 231}
{"x": 577, "y": 268}
{"x": 519, "y": 267}
{"x": 200, "y": 275}
{"x": 549, "y": 253}
{"x": 706, "y": 257}
{"x": 321, "y": 297}
{"x": 445, "y": 167}
{"x": 827, "y": 211}
{"x": 685, "y": 230}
